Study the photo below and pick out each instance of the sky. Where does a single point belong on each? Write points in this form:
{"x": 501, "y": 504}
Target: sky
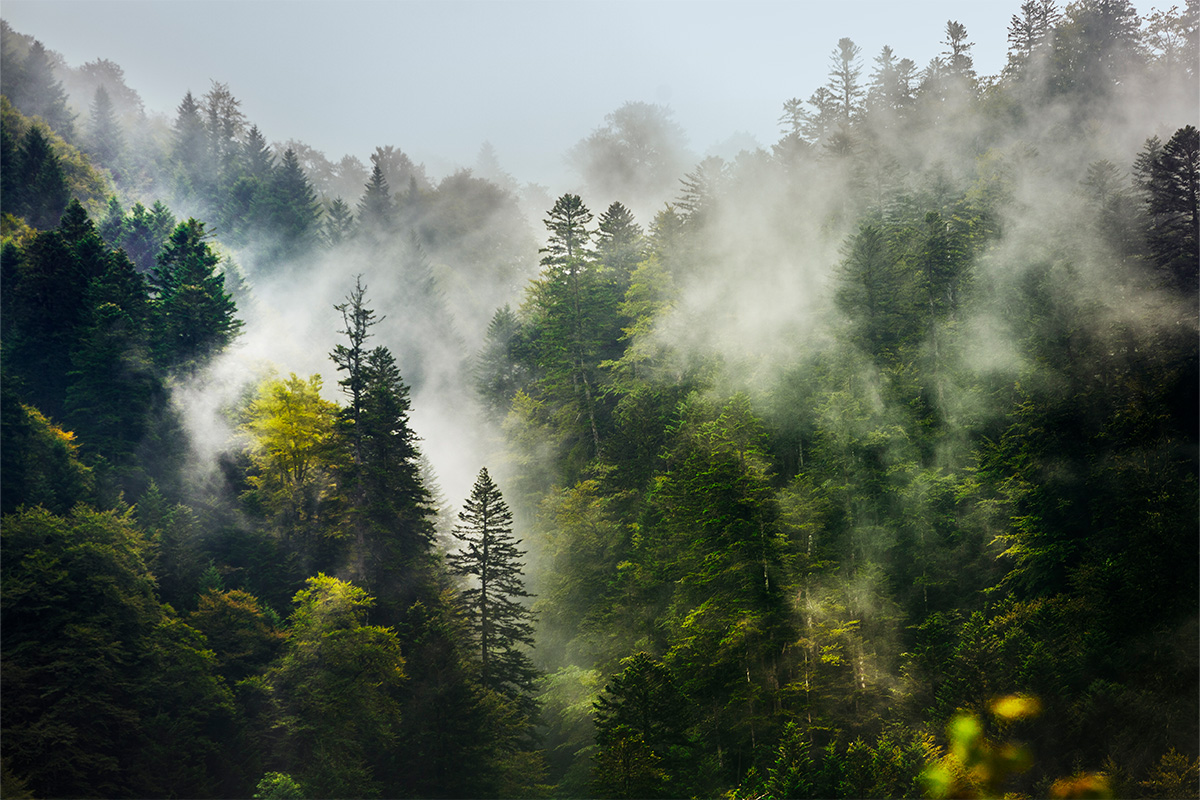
{"x": 438, "y": 79}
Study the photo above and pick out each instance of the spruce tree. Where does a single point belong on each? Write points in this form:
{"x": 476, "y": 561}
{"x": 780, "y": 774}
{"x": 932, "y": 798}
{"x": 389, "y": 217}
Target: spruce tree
{"x": 41, "y": 188}
{"x": 376, "y": 210}
{"x": 339, "y": 222}
{"x": 566, "y": 302}
{"x": 105, "y": 137}
{"x": 196, "y": 312}
{"x": 490, "y": 560}
{"x": 620, "y": 244}
{"x": 389, "y": 515}
{"x": 42, "y": 95}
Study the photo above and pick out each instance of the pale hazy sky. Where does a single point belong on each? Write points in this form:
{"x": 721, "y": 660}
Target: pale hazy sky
{"x": 437, "y": 79}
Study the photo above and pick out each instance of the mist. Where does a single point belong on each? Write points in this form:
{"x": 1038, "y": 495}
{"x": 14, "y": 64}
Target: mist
{"x": 821, "y": 429}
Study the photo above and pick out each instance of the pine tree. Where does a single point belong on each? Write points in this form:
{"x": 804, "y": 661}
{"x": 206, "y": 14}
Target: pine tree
{"x": 1169, "y": 177}
{"x": 956, "y": 56}
{"x": 295, "y": 213}
{"x": 389, "y": 515}
{"x": 490, "y": 560}
{"x": 256, "y": 155}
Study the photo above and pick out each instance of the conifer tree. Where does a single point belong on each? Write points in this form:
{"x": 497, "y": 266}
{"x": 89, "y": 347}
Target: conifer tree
{"x": 490, "y": 560}
{"x": 376, "y": 210}
{"x": 41, "y": 188}
{"x": 339, "y": 222}
{"x": 620, "y": 244}
{"x": 843, "y": 80}
{"x": 188, "y": 149}
{"x": 196, "y": 312}
{"x": 107, "y": 140}
{"x": 389, "y": 513}
{"x": 42, "y": 95}
{"x": 294, "y": 211}
{"x": 256, "y": 155}
{"x": 566, "y": 303}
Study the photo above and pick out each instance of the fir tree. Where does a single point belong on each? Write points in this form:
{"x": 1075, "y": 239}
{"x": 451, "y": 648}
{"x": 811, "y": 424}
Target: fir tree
{"x": 490, "y": 560}
{"x": 107, "y": 140}
{"x": 196, "y": 312}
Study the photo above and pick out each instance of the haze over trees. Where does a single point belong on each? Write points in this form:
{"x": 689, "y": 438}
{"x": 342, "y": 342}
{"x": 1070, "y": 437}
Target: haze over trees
{"x": 864, "y": 465}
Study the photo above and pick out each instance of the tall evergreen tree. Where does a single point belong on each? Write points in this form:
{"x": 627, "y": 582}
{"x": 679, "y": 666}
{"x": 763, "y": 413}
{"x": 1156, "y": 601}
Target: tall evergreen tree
{"x": 42, "y": 95}
{"x": 42, "y": 192}
{"x": 620, "y": 244}
{"x": 195, "y": 311}
{"x": 104, "y": 131}
{"x": 256, "y": 155}
{"x": 339, "y": 222}
{"x": 490, "y": 560}
{"x": 295, "y": 214}
{"x": 189, "y": 150}
{"x": 389, "y": 513}
{"x": 567, "y": 303}
{"x": 957, "y": 56}
{"x": 844, "y": 80}
{"x": 1029, "y": 34}
{"x": 376, "y": 211}
{"x": 1169, "y": 176}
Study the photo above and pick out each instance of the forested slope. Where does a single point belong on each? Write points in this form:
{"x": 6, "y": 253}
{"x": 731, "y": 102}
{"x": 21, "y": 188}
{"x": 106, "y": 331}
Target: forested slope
{"x": 864, "y": 467}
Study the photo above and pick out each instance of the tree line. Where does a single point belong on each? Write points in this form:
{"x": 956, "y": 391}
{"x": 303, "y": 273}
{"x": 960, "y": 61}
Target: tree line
{"x": 935, "y": 536}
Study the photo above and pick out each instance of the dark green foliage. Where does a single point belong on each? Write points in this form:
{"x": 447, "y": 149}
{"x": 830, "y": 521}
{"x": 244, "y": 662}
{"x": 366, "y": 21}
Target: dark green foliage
{"x": 390, "y": 518}
{"x": 1170, "y": 181}
{"x": 39, "y": 463}
{"x": 788, "y": 513}
{"x": 143, "y": 233}
{"x": 196, "y": 313}
{"x": 293, "y": 214}
{"x": 620, "y": 245}
{"x": 573, "y": 310}
{"x": 490, "y": 561}
{"x": 47, "y": 300}
{"x": 102, "y": 688}
{"x": 39, "y": 190}
{"x": 641, "y": 733}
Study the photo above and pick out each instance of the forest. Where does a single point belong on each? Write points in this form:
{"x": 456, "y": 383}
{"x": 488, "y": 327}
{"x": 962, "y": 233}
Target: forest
{"x": 859, "y": 465}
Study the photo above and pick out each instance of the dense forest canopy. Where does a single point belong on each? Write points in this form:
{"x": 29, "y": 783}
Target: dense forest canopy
{"x": 862, "y": 465}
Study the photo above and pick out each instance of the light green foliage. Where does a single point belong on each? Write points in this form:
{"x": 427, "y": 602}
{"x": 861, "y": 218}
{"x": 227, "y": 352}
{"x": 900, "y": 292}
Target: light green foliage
{"x": 278, "y": 786}
{"x": 293, "y": 449}
{"x": 583, "y": 544}
{"x": 337, "y": 688}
